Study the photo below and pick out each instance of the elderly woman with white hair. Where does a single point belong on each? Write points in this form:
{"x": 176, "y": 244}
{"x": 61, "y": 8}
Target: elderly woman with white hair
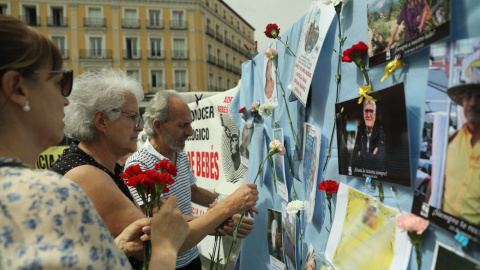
{"x": 104, "y": 118}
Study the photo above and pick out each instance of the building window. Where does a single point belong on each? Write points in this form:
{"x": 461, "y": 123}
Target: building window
{"x": 216, "y": 8}
{"x": 155, "y": 19}
{"x": 60, "y": 42}
{"x": 156, "y": 48}
{"x": 30, "y": 15}
{"x": 134, "y": 74}
{"x": 231, "y": 19}
{"x": 94, "y": 17}
{"x": 131, "y": 49}
{"x": 238, "y": 24}
{"x": 211, "y": 83}
{"x": 95, "y": 47}
{"x": 220, "y": 83}
{"x": 209, "y": 28}
{"x": 228, "y": 84}
{"x": 157, "y": 80}
{"x": 178, "y": 20}
{"x": 57, "y": 17}
{"x": 208, "y": 3}
{"x": 130, "y": 19}
{"x": 180, "y": 80}
{"x": 224, "y": 14}
{"x": 4, "y": 9}
{"x": 244, "y": 29}
{"x": 179, "y": 51}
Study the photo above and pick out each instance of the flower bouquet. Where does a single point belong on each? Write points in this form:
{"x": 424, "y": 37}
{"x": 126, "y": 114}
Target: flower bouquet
{"x": 150, "y": 184}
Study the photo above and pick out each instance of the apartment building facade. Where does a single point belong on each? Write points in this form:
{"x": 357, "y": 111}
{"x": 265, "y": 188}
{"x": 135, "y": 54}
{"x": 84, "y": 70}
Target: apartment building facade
{"x": 186, "y": 45}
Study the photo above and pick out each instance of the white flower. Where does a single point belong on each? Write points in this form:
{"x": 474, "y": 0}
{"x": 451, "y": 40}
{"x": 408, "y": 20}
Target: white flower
{"x": 294, "y": 206}
{"x": 327, "y": 2}
{"x": 265, "y": 109}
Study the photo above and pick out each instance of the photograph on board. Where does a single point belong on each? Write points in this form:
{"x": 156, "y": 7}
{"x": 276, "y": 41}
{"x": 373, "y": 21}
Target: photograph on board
{"x": 372, "y": 137}
{"x": 404, "y": 26}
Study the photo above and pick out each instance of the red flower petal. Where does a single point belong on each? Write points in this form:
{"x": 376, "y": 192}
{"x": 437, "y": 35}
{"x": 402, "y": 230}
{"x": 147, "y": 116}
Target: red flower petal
{"x": 270, "y": 27}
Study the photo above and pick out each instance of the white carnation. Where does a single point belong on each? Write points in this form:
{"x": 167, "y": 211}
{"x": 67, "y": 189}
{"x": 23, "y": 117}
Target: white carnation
{"x": 294, "y": 206}
{"x": 265, "y": 109}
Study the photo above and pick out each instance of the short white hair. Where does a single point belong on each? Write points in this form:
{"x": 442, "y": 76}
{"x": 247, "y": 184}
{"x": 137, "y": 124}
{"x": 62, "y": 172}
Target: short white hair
{"x": 157, "y": 109}
{"x": 97, "y": 90}
{"x": 366, "y": 101}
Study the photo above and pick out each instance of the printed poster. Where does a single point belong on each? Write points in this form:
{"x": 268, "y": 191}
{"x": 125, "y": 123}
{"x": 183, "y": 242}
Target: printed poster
{"x": 445, "y": 188}
{"x": 214, "y": 148}
{"x": 314, "y": 30}
{"x": 289, "y": 226}
{"x": 372, "y": 137}
{"x": 311, "y": 154}
{"x": 270, "y": 79}
{"x": 364, "y": 234}
{"x": 447, "y": 258}
{"x": 275, "y": 239}
{"x": 246, "y": 133}
{"x": 279, "y": 167}
{"x": 404, "y": 26}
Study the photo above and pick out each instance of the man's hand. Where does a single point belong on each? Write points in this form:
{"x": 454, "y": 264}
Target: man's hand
{"x": 131, "y": 238}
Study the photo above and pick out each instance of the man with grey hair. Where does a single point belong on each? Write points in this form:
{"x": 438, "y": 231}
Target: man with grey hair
{"x": 461, "y": 197}
{"x": 168, "y": 125}
{"x": 369, "y": 150}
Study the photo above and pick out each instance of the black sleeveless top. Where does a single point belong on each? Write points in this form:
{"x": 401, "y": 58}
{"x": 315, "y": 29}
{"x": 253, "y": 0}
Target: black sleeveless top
{"x": 73, "y": 157}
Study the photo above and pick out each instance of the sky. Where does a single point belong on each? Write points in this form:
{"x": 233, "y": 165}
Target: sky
{"x": 259, "y": 13}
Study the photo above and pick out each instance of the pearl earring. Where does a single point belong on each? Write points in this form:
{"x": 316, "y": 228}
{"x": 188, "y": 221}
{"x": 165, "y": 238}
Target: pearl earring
{"x": 26, "y": 108}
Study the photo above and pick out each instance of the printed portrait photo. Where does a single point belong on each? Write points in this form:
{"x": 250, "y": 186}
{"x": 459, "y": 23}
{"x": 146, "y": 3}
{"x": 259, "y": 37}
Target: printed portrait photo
{"x": 404, "y": 26}
{"x": 446, "y": 184}
{"x": 372, "y": 137}
{"x": 274, "y": 234}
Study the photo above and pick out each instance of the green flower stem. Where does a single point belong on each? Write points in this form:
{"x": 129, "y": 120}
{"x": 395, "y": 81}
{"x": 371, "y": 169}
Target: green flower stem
{"x": 338, "y": 8}
{"x": 286, "y": 45}
{"x": 270, "y": 160}
{"x": 365, "y": 74}
{"x": 294, "y": 193}
{"x": 330, "y": 209}
{"x": 380, "y": 190}
{"x": 288, "y": 112}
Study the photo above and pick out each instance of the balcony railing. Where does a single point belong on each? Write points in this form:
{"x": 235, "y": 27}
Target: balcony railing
{"x": 130, "y": 23}
{"x": 180, "y": 54}
{"x": 228, "y": 66}
{"x": 57, "y": 21}
{"x": 211, "y": 59}
{"x": 234, "y": 46}
{"x": 213, "y": 88}
{"x": 181, "y": 87}
{"x": 94, "y": 22}
{"x": 154, "y": 24}
{"x": 132, "y": 54}
{"x": 178, "y": 24}
{"x": 220, "y": 63}
{"x": 32, "y": 20}
{"x": 236, "y": 70}
{"x": 227, "y": 42}
{"x": 95, "y": 54}
{"x": 210, "y": 31}
{"x": 154, "y": 88}
{"x": 156, "y": 54}
{"x": 219, "y": 37}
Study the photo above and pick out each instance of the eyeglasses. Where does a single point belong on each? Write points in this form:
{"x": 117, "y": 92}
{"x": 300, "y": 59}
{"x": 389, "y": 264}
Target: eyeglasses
{"x": 368, "y": 111}
{"x": 138, "y": 117}
{"x": 66, "y": 82}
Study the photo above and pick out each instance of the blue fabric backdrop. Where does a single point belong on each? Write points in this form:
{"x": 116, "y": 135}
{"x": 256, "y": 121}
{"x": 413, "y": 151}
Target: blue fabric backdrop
{"x": 465, "y": 22}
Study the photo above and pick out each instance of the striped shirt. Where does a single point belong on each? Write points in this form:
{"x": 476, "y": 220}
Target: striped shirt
{"x": 146, "y": 157}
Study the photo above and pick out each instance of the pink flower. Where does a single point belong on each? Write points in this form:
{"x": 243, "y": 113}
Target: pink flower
{"x": 411, "y": 223}
{"x": 254, "y": 106}
{"x": 271, "y": 53}
{"x": 277, "y": 147}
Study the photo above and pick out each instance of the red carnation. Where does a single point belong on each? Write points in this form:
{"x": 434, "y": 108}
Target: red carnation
{"x": 272, "y": 30}
{"x": 242, "y": 110}
{"x": 354, "y": 53}
{"x": 329, "y": 186}
{"x": 131, "y": 171}
{"x": 246, "y": 47}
